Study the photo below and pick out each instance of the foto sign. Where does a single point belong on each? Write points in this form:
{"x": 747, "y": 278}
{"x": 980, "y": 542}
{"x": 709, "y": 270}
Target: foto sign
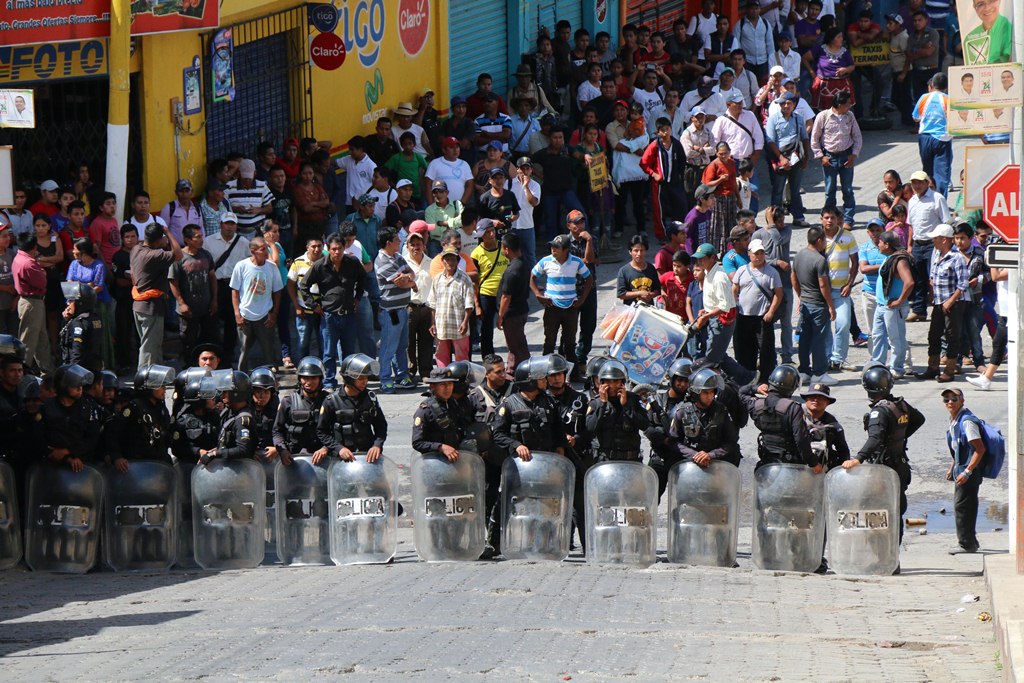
{"x": 1001, "y": 202}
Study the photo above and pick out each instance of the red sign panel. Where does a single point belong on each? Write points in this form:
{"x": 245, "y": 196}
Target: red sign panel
{"x": 1001, "y": 202}
{"x": 24, "y": 23}
{"x": 327, "y": 51}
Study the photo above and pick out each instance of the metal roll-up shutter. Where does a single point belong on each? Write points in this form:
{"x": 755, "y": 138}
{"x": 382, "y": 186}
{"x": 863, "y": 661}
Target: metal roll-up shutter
{"x": 658, "y": 16}
{"x": 478, "y": 43}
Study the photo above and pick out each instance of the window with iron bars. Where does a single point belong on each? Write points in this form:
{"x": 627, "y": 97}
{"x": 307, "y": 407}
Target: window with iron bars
{"x": 273, "y": 89}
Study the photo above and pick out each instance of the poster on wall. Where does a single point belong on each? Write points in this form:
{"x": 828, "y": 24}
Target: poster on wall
{"x": 17, "y": 109}
{"x": 988, "y": 86}
{"x": 986, "y": 31}
{"x": 192, "y": 91}
{"x": 55, "y": 22}
{"x": 963, "y": 122}
{"x": 222, "y": 55}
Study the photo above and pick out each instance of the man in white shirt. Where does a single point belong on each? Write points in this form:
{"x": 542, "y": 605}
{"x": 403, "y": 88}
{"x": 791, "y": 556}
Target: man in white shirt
{"x": 739, "y": 128}
{"x": 802, "y": 107}
{"x": 358, "y": 169}
{"x": 926, "y": 210}
{"x": 705, "y": 97}
{"x": 141, "y": 217}
{"x": 786, "y": 57}
{"x": 403, "y": 124}
{"x": 217, "y": 244}
{"x": 727, "y": 85}
{"x": 256, "y": 298}
{"x": 455, "y": 172}
{"x": 756, "y": 37}
{"x": 527, "y": 193}
{"x": 703, "y": 24}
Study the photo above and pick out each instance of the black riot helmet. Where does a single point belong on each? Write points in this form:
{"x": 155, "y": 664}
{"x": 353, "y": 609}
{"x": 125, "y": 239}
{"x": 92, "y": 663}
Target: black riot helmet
{"x": 358, "y": 365}
{"x": 263, "y": 378}
{"x": 153, "y": 377}
{"x": 83, "y": 294}
{"x": 594, "y": 366}
{"x": 71, "y": 377}
{"x": 529, "y": 372}
{"x": 185, "y": 377}
{"x": 199, "y": 388}
{"x": 785, "y": 380}
{"x": 466, "y": 375}
{"x": 311, "y": 366}
{"x": 878, "y": 381}
{"x": 12, "y": 347}
{"x": 235, "y": 384}
{"x": 705, "y": 379}
{"x": 681, "y": 368}
{"x": 557, "y": 364}
{"x": 109, "y": 379}
{"x": 612, "y": 369}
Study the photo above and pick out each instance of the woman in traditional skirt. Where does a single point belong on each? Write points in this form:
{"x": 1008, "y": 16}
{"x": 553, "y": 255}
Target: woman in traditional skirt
{"x": 721, "y": 175}
{"x": 832, "y": 65}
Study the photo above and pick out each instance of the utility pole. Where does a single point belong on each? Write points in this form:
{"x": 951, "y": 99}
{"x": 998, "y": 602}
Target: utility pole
{"x": 118, "y": 57}
{"x": 1015, "y": 361}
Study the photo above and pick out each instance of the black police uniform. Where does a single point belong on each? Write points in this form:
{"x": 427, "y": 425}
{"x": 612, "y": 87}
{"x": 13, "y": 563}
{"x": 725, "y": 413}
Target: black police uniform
{"x": 485, "y": 400}
{"x": 436, "y": 423}
{"x": 238, "y": 436}
{"x": 11, "y": 421}
{"x": 264, "y": 418}
{"x": 889, "y": 423}
{"x": 783, "y": 434}
{"x": 710, "y": 429}
{"x": 295, "y": 424}
{"x": 141, "y": 431}
{"x": 353, "y": 422}
{"x": 828, "y": 439}
{"x": 519, "y": 421}
{"x": 663, "y": 453}
{"x": 615, "y": 428}
{"x": 194, "y": 432}
{"x": 572, "y": 409}
{"x": 70, "y": 427}
{"x": 81, "y": 340}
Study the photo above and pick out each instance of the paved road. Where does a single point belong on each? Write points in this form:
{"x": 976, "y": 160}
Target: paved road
{"x": 545, "y": 621}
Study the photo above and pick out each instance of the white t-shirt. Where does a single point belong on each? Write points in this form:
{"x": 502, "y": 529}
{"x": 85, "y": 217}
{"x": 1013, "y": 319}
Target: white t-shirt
{"x": 650, "y": 101}
{"x": 141, "y": 226}
{"x": 802, "y": 108}
{"x": 455, "y": 173}
{"x": 358, "y": 175}
{"x": 705, "y": 26}
{"x": 383, "y": 199}
{"x": 416, "y": 130}
{"x": 714, "y": 105}
{"x": 585, "y": 92}
{"x": 256, "y": 286}
{"x": 469, "y": 242}
{"x": 525, "y": 220}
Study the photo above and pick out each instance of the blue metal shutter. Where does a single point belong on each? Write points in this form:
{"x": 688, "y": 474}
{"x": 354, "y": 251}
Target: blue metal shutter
{"x": 547, "y": 14}
{"x": 477, "y": 43}
{"x": 657, "y": 16}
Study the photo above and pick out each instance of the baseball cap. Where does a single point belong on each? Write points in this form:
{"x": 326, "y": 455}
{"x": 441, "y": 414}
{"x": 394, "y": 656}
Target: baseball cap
{"x": 575, "y": 217}
{"x": 450, "y": 142}
{"x": 894, "y": 17}
{"x": 735, "y": 96}
{"x": 458, "y": 99}
{"x": 787, "y": 97}
{"x": 755, "y": 246}
{"x": 621, "y": 103}
{"x": 439, "y": 185}
{"x": 419, "y": 227}
{"x": 450, "y": 250}
{"x": 919, "y": 175}
{"x": 703, "y": 191}
{"x": 290, "y": 142}
{"x": 738, "y": 232}
{"x": 704, "y": 250}
{"x": 482, "y": 226}
{"x": 496, "y": 172}
{"x": 366, "y": 198}
{"x": 706, "y": 82}
{"x": 524, "y": 161}
{"x": 560, "y": 242}
{"x": 440, "y": 375}
{"x": 49, "y": 186}
{"x": 673, "y": 228}
{"x": 956, "y": 392}
{"x": 776, "y": 70}
{"x": 787, "y": 81}
{"x": 818, "y": 389}
{"x": 427, "y": 91}
{"x": 495, "y": 144}
{"x": 403, "y": 183}
{"x": 942, "y": 230}
{"x": 783, "y": 35}
{"x": 698, "y": 111}
{"x": 729, "y": 69}
{"x": 489, "y": 97}
{"x": 247, "y": 168}
{"x": 229, "y": 217}
{"x": 183, "y": 184}
{"x": 877, "y": 222}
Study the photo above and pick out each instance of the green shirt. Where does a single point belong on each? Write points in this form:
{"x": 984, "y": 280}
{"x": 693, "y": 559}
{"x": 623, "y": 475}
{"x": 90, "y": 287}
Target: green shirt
{"x": 989, "y": 47}
{"x": 408, "y": 169}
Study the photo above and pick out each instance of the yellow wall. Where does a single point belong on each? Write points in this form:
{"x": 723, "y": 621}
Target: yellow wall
{"x": 340, "y": 97}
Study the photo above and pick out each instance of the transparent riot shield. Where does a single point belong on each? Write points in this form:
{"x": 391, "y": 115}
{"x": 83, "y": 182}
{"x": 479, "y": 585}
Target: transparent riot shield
{"x": 789, "y": 531}
{"x": 186, "y": 539}
{"x": 863, "y": 520}
{"x": 449, "y": 512}
{"x": 229, "y": 514}
{"x": 270, "y": 554}
{"x": 10, "y": 518}
{"x": 140, "y": 522}
{"x": 622, "y": 504}
{"x": 703, "y": 514}
{"x": 363, "y": 502}
{"x": 536, "y": 507}
{"x": 303, "y": 521}
{"x": 63, "y": 525}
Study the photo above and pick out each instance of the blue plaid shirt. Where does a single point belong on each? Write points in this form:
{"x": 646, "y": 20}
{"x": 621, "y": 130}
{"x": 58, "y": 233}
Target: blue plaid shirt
{"x": 948, "y": 274}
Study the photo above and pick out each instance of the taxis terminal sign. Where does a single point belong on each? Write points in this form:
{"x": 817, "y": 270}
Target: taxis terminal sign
{"x": 52, "y": 21}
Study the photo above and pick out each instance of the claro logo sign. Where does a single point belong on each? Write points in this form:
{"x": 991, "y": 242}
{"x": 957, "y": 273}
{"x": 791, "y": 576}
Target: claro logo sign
{"x": 413, "y": 25}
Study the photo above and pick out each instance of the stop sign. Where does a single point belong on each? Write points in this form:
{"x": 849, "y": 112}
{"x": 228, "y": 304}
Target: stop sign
{"x": 1002, "y": 202}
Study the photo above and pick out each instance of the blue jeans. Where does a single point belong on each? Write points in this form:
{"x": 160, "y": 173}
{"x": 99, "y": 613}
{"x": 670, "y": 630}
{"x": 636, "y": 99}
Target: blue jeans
{"x": 394, "y": 345}
{"x": 719, "y": 336}
{"x": 796, "y": 201}
{"x": 528, "y": 243}
{"x": 554, "y": 206}
{"x": 786, "y": 323}
{"x": 839, "y": 345}
{"x": 308, "y": 328}
{"x": 588, "y": 325}
{"x": 845, "y": 178}
{"x": 338, "y": 329}
{"x": 889, "y": 332}
{"x": 936, "y": 161}
{"x": 365, "y": 332}
{"x": 814, "y": 336}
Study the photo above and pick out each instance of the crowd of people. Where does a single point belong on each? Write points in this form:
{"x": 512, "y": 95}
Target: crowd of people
{"x": 421, "y": 241}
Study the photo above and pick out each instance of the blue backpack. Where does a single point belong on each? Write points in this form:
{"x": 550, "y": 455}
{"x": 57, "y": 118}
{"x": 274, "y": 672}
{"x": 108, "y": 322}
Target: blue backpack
{"x": 995, "y": 448}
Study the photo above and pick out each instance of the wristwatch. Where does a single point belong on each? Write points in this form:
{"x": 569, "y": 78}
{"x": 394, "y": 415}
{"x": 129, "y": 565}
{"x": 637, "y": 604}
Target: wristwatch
{"x": 967, "y": 473}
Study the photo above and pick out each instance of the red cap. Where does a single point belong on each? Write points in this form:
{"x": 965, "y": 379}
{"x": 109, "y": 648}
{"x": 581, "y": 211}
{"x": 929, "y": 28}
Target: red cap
{"x": 420, "y": 227}
{"x": 290, "y": 141}
{"x": 450, "y": 142}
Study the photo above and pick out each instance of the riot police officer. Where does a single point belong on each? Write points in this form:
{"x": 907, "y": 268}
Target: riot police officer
{"x": 780, "y": 420}
{"x": 142, "y": 431}
{"x": 12, "y": 373}
{"x": 701, "y": 429}
{"x": 889, "y": 423}
{"x": 109, "y": 385}
{"x": 660, "y": 412}
{"x": 494, "y": 388}
{"x": 729, "y": 394}
{"x": 594, "y": 365}
{"x": 64, "y": 422}
{"x": 528, "y": 420}
{"x": 237, "y": 438}
{"x": 438, "y": 425}
{"x": 828, "y": 440}
{"x": 295, "y": 425}
{"x": 351, "y": 420}
{"x": 615, "y": 419}
{"x": 264, "y": 411}
{"x": 572, "y": 409}
{"x": 466, "y": 375}
{"x": 197, "y": 425}
{"x": 81, "y": 338}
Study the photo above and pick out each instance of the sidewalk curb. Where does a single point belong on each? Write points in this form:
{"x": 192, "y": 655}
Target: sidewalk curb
{"x": 1006, "y": 588}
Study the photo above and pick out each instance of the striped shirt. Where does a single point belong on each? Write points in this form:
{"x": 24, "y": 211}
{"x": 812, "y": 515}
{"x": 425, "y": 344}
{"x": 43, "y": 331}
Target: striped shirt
{"x": 561, "y": 278}
{"x": 838, "y": 251}
{"x": 387, "y": 268}
{"x": 255, "y": 197}
{"x": 450, "y": 298}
